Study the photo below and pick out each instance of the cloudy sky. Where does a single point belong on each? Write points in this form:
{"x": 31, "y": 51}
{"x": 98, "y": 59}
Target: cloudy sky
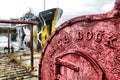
{"x": 71, "y": 8}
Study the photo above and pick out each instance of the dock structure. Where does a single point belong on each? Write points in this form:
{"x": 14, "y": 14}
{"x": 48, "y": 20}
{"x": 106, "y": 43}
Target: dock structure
{"x": 11, "y": 70}
{"x": 30, "y": 23}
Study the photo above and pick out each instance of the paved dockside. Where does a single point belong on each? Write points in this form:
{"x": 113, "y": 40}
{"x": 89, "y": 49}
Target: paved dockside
{"x": 11, "y": 70}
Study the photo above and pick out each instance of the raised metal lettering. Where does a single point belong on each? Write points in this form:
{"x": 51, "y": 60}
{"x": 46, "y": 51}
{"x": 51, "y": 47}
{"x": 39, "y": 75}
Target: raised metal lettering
{"x": 89, "y": 35}
{"x": 79, "y": 35}
{"x": 98, "y": 37}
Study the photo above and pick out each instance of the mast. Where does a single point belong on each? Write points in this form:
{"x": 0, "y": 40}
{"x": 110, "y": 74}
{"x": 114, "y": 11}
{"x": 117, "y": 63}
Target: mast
{"x": 44, "y": 4}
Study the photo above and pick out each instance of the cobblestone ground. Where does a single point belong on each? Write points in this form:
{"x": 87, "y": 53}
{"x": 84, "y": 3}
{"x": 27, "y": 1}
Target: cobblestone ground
{"x": 10, "y": 70}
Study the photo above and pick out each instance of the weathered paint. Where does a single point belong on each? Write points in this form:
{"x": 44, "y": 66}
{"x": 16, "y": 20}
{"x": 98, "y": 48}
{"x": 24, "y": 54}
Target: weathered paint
{"x": 84, "y": 48}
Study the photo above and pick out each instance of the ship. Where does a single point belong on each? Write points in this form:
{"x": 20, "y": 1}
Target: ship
{"x": 47, "y": 20}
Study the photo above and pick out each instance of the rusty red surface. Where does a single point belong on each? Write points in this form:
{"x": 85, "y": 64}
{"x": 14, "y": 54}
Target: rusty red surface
{"x": 19, "y": 22}
{"x": 84, "y": 48}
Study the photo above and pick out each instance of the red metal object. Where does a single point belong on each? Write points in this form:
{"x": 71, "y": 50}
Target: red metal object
{"x": 8, "y": 40}
{"x": 84, "y": 48}
{"x": 19, "y": 22}
{"x": 31, "y": 48}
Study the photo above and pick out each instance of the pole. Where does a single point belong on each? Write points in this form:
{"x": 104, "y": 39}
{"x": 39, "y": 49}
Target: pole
{"x": 31, "y": 48}
{"x": 8, "y": 40}
{"x": 44, "y": 4}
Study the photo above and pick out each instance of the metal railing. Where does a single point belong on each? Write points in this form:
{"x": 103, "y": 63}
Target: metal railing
{"x": 31, "y": 23}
